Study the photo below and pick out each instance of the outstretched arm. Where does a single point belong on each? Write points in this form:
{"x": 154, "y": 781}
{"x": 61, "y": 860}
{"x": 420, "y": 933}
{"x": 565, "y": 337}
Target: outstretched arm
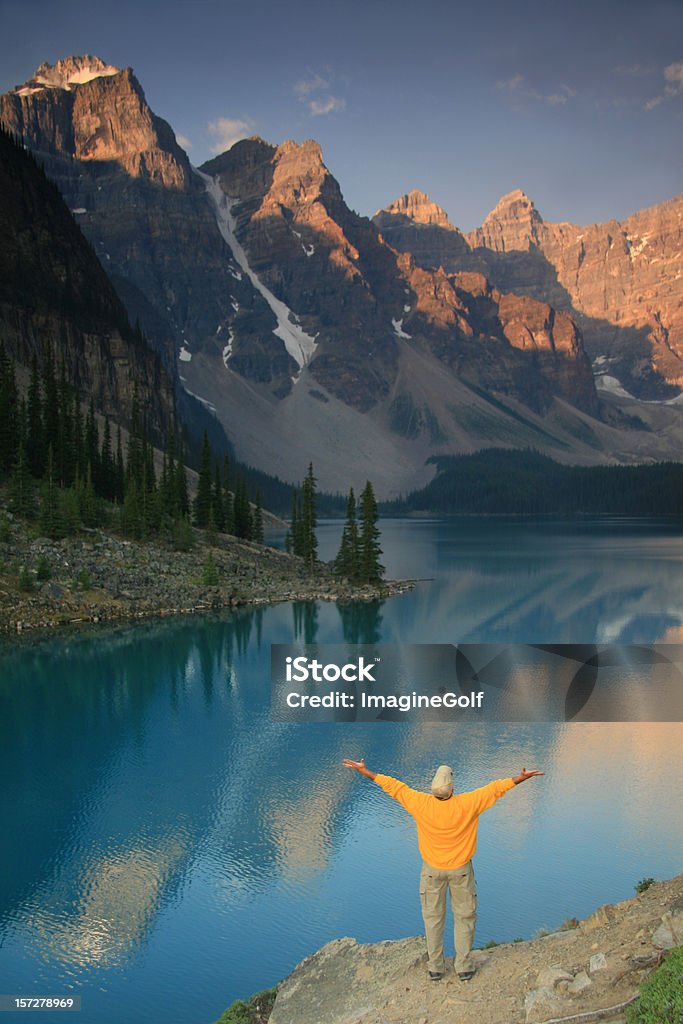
{"x": 359, "y": 766}
{"x": 524, "y": 775}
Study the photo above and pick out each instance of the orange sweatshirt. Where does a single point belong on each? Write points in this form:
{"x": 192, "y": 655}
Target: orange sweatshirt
{"x": 446, "y": 829}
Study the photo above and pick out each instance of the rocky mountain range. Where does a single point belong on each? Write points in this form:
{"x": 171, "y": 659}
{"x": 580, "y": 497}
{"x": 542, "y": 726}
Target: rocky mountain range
{"x": 622, "y": 282}
{"x": 314, "y": 333}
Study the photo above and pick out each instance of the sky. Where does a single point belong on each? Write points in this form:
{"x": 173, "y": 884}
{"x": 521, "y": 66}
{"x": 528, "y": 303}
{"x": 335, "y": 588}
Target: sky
{"x": 578, "y": 103}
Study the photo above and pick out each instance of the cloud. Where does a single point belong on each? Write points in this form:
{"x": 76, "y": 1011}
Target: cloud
{"x": 314, "y": 92}
{"x": 673, "y": 74}
{"x": 326, "y": 105}
{"x": 518, "y": 89}
{"x": 183, "y": 141}
{"x": 305, "y": 86}
{"x": 673, "y": 77}
{"x": 227, "y": 131}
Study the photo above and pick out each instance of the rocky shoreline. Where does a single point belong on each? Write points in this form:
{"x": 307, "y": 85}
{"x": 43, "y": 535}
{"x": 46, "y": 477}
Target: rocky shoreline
{"x": 586, "y": 971}
{"x": 97, "y": 577}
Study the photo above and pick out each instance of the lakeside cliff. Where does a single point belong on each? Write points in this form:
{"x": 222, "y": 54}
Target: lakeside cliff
{"x": 586, "y": 971}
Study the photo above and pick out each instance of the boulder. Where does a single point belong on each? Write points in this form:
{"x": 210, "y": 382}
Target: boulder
{"x": 540, "y": 1004}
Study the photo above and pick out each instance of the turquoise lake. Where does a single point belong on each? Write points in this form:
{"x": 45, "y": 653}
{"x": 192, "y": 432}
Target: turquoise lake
{"x": 167, "y": 847}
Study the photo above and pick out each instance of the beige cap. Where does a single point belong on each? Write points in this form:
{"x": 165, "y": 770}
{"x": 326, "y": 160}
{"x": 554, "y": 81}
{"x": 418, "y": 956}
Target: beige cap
{"x": 442, "y": 783}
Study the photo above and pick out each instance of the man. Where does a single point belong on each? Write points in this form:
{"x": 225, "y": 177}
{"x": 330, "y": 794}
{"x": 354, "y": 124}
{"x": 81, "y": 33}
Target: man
{"x": 447, "y": 838}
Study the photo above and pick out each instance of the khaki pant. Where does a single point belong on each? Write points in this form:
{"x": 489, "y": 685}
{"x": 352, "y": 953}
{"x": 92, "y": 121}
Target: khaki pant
{"x": 434, "y": 885}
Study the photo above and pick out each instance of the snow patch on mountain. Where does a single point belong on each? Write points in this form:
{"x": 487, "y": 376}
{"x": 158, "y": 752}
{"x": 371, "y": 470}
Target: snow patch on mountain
{"x": 67, "y": 73}
{"x": 205, "y": 402}
{"x": 184, "y": 356}
{"x": 299, "y": 345}
{"x": 398, "y": 329}
{"x": 227, "y": 350}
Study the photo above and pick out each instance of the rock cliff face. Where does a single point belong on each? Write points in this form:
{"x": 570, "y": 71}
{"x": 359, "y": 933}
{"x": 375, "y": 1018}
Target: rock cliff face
{"x": 53, "y": 291}
{"x": 360, "y": 301}
{"x": 621, "y": 281}
{"x": 416, "y": 225}
{"x": 587, "y": 971}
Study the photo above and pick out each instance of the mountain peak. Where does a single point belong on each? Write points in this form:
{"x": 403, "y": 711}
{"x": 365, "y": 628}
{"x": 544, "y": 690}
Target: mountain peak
{"x": 515, "y": 205}
{"x": 67, "y": 73}
{"x": 418, "y": 207}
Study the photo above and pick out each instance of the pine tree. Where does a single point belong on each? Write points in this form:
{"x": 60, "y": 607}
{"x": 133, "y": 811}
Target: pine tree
{"x": 309, "y": 518}
{"x": 217, "y": 502}
{"x": 50, "y": 401}
{"x": 21, "y": 486}
{"x": 92, "y": 443}
{"x": 35, "y": 440}
{"x": 182, "y": 501}
{"x": 87, "y": 500}
{"x": 51, "y": 522}
{"x": 135, "y": 456}
{"x": 202, "y": 502}
{"x": 370, "y": 567}
{"x": 296, "y": 536}
{"x": 242, "y": 510}
{"x": 9, "y": 415}
{"x": 107, "y": 466}
{"x": 210, "y": 572}
{"x": 346, "y": 562}
{"x": 182, "y": 534}
{"x": 120, "y": 472}
{"x": 228, "y": 502}
{"x": 257, "y": 532}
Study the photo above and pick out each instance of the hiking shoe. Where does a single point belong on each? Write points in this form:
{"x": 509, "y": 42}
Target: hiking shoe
{"x": 435, "y": 976}
{"x": 466, "y": 975}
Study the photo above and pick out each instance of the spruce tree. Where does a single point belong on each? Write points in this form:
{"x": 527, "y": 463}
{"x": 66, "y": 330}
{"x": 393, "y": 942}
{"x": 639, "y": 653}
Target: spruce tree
{"x": 202, "y": 501}
{"x": 346, "y": 562}
{"x": 50, "y": 402}
{"x": 51, "y": 522}
{"x": 9, "y": 415}
{"x": 370, "y": 552}
{"x": 257, "y": 532}
{"x": 182, "y": 505}
{"x": 295, "y": 528}
{"x": 107, "y": 466}
{"x": 309, "y": 518}
{"x": 217, "y": 502}
{"x": 35, "y": 440}
{"x": 21, "y": 486}
{"x": 242, "y": 510}
{"x": 120, "y": 472}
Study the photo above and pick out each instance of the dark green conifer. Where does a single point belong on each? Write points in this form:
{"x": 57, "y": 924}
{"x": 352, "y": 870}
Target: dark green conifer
{"x": 9, "y": 415}
{"x": 257, "y": 530}
{"x": 309, "y": 518}
{"x": 370, "y": 552}
{"x": 346, "y": 562}
{"x": 35, "y": 440}
{"x": 182, "y": 501}
{"x": 51, "y": 523}
{"x": 21, "y": 494}
{"x": 202, "y": 501}
{"x": 217, "y": 502}
{"x": 107, "y": 466}
{"x": 120, "y": 472}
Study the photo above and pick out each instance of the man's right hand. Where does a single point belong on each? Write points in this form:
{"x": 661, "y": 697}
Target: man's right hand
{"x": 359, "y": 766}
{"x": 526, "y": 774}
